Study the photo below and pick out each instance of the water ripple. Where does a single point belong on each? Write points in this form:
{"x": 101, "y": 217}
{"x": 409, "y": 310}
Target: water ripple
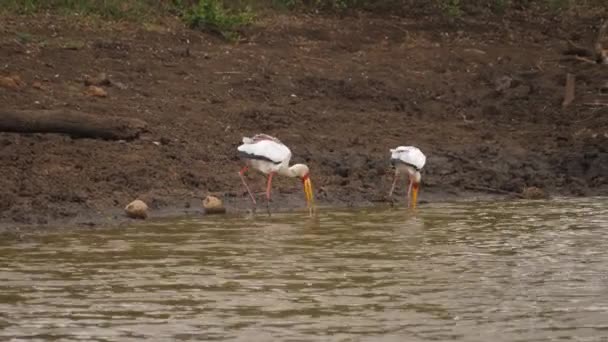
{"x": 504, "y": 271}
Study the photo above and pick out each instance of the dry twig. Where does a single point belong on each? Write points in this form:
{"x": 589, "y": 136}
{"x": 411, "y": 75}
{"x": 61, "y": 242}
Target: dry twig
{"x": 569, "y": 90}
{"x": 601, "y": 54}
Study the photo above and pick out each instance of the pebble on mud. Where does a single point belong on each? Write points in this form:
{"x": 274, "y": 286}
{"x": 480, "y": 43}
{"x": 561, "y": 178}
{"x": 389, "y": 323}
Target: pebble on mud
{"x": 96, "y": 91}
{"x": 213, "y": 205}
{"x": 533, "y": 192}
{"x": 11, "y": 82}
{"x": 137, "y": 210}
{"x": 503, "y": 83}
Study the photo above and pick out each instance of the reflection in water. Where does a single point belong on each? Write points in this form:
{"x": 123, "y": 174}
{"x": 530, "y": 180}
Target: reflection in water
{"x": 527, "y": 271}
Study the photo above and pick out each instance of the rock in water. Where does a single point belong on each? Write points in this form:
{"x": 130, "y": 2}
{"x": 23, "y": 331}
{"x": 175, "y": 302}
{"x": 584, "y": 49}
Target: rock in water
{"x": 137, "y": 210}
{"x": 213, "y": 205}
{"x": 533, "y": 193}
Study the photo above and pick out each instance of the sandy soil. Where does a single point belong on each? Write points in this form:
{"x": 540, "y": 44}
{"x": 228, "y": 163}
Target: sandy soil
{"x": 481, "y": 99}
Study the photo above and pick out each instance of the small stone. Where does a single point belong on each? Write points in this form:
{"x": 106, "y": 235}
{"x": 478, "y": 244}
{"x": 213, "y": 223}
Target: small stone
{"x": 503, "y": 83}
{"x": 11, "y": 82}
{"x": 96, "y": 91}
{"x": 213, "y": 205}
{"x": 37, "y": 85}
{"x": 533, "y": 193}
{"x": 137, "y": 210}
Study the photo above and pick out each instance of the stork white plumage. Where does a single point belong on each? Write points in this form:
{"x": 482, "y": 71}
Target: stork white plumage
{"x": 270, "y": 156}
{"x": 408, "y": 160}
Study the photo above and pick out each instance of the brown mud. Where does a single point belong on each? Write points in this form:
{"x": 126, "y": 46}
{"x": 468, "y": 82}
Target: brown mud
{"x": 483, "y": 100}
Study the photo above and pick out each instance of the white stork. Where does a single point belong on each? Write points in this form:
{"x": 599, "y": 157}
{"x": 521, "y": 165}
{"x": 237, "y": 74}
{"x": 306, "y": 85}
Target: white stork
{"x": 270, "y": 156}
{"x": 408, "y": 160}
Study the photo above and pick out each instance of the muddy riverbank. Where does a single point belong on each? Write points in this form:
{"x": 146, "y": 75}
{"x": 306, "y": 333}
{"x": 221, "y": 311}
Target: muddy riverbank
{"x": 483, "y": 100}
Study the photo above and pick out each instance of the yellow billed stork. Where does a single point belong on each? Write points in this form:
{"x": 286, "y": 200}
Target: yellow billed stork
{"x": 270, "y": 156}
{"x": 408, "y": 160}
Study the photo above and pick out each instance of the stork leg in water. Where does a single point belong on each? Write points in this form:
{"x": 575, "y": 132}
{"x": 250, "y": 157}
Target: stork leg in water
{"x": 412, "y": 198}
{"x": 242, "y": 174}
{"x": 409, "y": 191}
{"x": 390, "y": 193}
{"x": 268, "y": 190}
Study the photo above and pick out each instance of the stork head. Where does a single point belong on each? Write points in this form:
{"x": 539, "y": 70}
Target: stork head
{"x": 299, "y": 170}
{"x": 303, "y": 172}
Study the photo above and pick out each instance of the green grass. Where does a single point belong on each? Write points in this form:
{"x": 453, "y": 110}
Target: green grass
{"x": 452, "y": 8}
{"x": 213, "y": 16}
{"x": 208, "y": 15}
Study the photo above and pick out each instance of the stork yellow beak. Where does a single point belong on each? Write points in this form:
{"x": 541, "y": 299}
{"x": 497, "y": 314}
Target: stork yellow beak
{"x": 415, "y": 188}
{"x": 310, "y": 200}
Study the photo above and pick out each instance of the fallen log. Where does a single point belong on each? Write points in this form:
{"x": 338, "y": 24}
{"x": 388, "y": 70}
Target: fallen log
{"x": 72, "y": 123}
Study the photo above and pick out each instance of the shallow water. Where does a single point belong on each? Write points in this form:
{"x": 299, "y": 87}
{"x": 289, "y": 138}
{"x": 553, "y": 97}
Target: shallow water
{"x": 507, "y": 271}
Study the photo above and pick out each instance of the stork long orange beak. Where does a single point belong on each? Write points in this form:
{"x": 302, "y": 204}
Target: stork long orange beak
{"x": 415, "y": 188}
{"x": 310, "y": 199}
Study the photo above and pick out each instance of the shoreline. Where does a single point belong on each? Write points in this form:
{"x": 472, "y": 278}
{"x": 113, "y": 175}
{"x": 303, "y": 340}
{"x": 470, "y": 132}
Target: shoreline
{"x": 113, "y": 218}
{"x": 484, "y": 105}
